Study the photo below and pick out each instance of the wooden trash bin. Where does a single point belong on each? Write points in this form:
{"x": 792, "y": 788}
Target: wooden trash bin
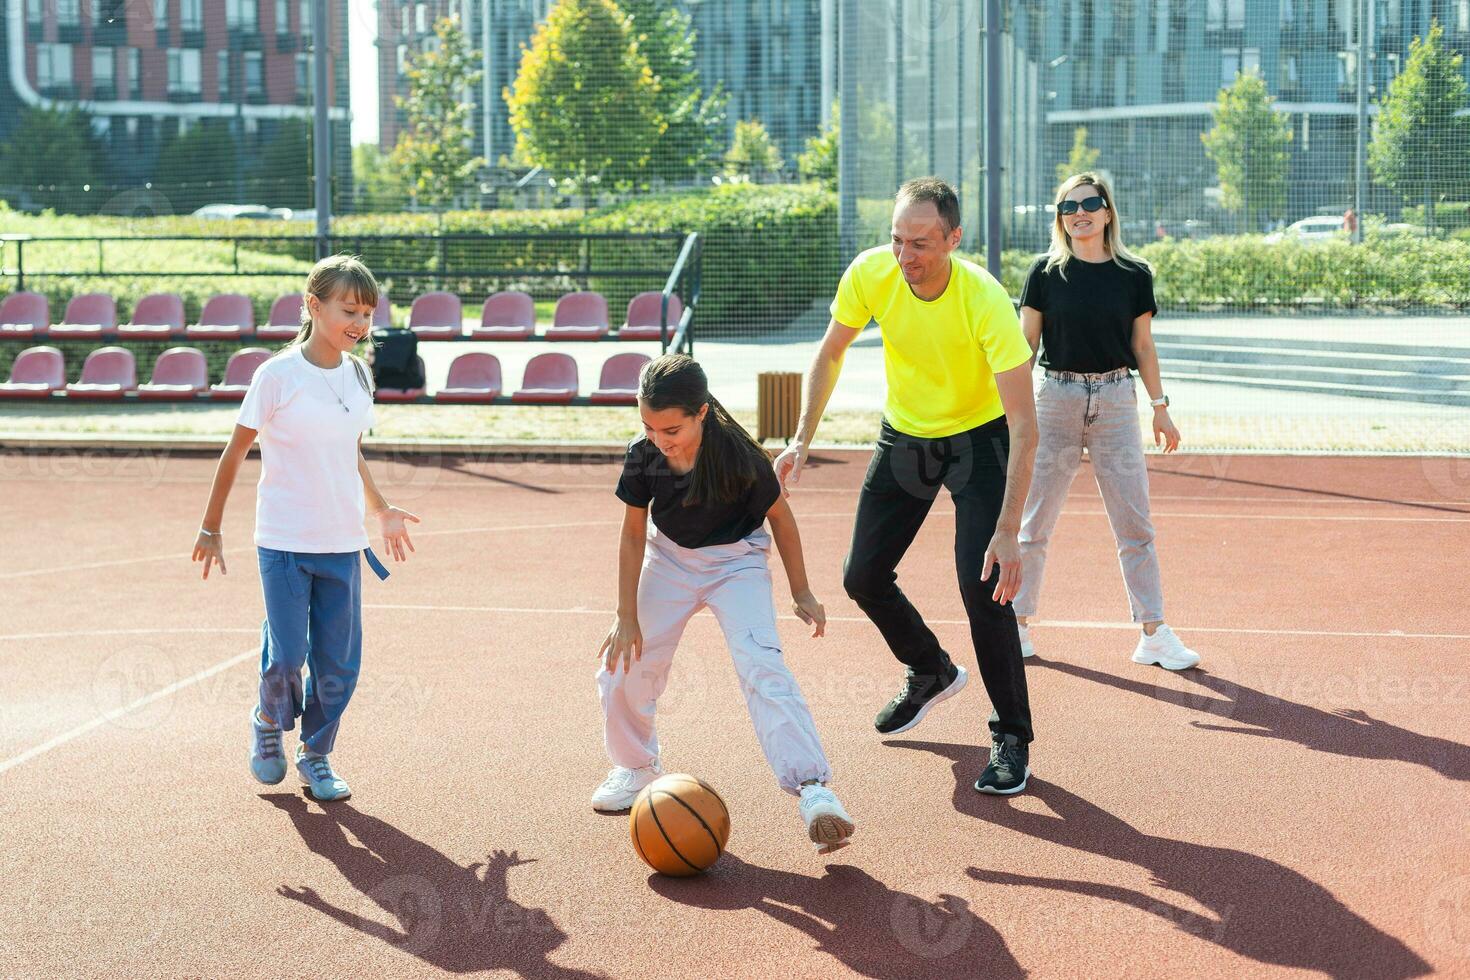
{"x": 778, "y": 404}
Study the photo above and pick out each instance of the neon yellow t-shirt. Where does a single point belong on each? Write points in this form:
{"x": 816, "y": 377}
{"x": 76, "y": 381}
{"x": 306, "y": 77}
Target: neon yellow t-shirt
{"x": 940, "y": 357}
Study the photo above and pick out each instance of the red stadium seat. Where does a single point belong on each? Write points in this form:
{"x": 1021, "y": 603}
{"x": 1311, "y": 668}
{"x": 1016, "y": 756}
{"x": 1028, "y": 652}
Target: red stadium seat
{"x": 158, "y": 316}
{"x": 473, "y": 379}
{"x": 36, "y": 373}
{"x": 619, "y": 382}
{"x": 402, "y": 394}
{"x": 284, "y": 322}
{"x": 643, "y": 317}
{"x": 24, "y": 316}
{"x": 506, "y": 316}
{"x": 227, "y": 316}
{"x": 238, "y": 373}
{"x": 87, "y": 317}
{"x": 551, "y": 379}
{"x": 108, "y": 373}
{"x": 179, "y": 374}
{"x": 579, "y": 316}
{"x": 436, "y": 316}
{"x": 383, "y": 313}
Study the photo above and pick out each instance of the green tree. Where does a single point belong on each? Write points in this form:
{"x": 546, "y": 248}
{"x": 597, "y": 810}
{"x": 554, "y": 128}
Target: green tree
{"x": 287, "y": 163}
{"x": 818, "y": 162}
{"x": 51, "y": 155}
{"x": 1249, "y": 144}
{"x": 1420, "y": 148}
{"x": 1082, "y": 159}
{"x": 378, "y": 183}
{"x": 199, "y": 167}
{"x": 694, "y": 122}
{"x": 584, "y": 103}
{"x": 434, "y": 154}
{"x": 753, "y": 154}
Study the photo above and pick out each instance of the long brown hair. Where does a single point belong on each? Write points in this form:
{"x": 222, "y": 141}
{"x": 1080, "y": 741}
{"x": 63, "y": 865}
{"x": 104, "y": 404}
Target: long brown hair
{"x": 1061, "y": 252}
{"x": 728, "y": 458}
{"x": 338, "y": 275}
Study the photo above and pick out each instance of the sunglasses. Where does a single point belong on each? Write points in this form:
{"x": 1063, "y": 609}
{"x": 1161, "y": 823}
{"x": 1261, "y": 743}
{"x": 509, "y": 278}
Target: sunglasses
{"x": 1094, "y": 203}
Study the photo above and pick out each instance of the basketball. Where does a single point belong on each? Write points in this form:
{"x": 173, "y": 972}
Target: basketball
{"x": 679, "y": 825}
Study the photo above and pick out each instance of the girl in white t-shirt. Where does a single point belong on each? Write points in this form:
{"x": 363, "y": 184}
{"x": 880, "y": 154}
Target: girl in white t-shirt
{"x": 310, "y": 405}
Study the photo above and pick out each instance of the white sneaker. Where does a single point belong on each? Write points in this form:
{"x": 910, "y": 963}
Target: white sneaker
{"x": 622, "y": 786}
{"x": 1027, "y": 650}
{"x": 827, "y": 824}
{"x": 1164, "y": 649}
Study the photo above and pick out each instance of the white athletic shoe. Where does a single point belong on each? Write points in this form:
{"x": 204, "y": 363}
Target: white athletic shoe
{"x": 622, "y": 786}
{"x": 1027, "y": 650}
{"x": 827, "y": 824}
{"x": 1164, "y": 649}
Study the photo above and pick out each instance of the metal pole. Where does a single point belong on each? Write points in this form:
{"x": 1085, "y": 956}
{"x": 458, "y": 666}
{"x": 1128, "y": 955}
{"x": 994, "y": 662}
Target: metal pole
{"x": 1360, "y": 172}
{"x": 321, "y": 135}
{"x": 899, "y": 164}
{"x": 847, "y": 76}
{"x": 933, "y": 85}
{"x": 829, "y": 59}
{"x": 992, "y": 137}
{"x": 486, "y": 84}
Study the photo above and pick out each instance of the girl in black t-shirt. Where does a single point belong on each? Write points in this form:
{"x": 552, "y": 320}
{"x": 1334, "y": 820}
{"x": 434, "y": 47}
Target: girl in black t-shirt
{"x": 1087, "y": 307}
{"x": 709, "y": 488}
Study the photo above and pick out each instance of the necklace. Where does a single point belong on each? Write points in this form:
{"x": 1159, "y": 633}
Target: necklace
{"x": 327, "y": 381}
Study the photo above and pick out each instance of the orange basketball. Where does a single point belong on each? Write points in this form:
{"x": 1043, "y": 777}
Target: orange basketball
{"x": 679, "y": 825}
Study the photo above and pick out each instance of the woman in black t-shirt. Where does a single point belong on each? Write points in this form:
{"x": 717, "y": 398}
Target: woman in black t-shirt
{"x": 1087, "y": 308}
{"x": 709, "y": 488}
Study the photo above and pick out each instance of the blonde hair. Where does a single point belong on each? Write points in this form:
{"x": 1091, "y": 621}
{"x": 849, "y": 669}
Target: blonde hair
{"x": 1061, "y": 252}
{"x": 338, "y": 275}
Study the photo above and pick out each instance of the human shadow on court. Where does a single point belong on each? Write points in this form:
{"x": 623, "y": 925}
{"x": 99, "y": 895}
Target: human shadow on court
{"x": 1244, "y": 710}
{"x": 1258, "y": 908}
{"x": 460, "y": 919}
{"x": 1448, "y": 507}
{"x": 866, "y": 926}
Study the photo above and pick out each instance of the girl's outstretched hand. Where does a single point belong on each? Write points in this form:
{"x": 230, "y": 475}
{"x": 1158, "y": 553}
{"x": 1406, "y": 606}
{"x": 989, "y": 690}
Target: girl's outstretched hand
{"x": 810, "y": 611}
{"x": 210, "y": 548}
{"x": 623, "y": 642}
{"x": 394, "y": 522}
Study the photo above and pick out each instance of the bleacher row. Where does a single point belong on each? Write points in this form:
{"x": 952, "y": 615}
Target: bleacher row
{"x": 182, "y": 374}
{"x": 506, "y": 315}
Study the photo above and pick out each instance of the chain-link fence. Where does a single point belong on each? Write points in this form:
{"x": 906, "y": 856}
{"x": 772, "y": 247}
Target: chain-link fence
{"x": 1291, "y": 169}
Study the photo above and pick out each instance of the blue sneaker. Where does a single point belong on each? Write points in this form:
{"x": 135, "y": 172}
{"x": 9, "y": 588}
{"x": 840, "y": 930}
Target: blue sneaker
{"x": 316, "y": 772}
{"x": 267, "y": 758}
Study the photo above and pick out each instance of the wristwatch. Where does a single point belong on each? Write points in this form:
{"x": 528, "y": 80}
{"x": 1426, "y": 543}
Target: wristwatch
{"x": 1161, "y": 402}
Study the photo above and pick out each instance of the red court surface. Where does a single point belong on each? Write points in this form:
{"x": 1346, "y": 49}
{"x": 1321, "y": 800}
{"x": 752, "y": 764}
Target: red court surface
{"x": 1298, "y": 806}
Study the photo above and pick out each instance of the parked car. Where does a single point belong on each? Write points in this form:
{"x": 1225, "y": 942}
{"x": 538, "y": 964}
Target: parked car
{"x": 1319, "y": 228}
{"x": 232, "y": 212}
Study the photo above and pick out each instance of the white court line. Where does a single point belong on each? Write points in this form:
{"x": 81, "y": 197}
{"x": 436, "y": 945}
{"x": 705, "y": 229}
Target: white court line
{"x": 1338, "y": 518}
{"x": 106, "y": 717}
{"x": 135, "y": 632}
{"x": 178, "y": 556}
{"x": 1054, "y": 623}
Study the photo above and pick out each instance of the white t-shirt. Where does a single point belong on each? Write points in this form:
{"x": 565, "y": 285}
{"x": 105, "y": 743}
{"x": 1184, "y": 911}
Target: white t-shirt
{"x": 310, "y": 495}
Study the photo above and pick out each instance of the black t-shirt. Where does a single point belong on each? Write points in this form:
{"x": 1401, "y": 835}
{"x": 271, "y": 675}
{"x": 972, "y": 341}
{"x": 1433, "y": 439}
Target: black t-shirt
{"x": 647, "y": 479}
{"x": 1087, "y": 318}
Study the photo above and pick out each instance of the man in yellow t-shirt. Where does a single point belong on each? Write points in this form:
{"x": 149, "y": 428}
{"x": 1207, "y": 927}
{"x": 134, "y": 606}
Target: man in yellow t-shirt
{"x": 959, "y": 414}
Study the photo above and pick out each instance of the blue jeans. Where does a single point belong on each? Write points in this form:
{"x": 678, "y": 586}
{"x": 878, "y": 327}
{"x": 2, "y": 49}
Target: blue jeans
{"x": 313, "y": 616}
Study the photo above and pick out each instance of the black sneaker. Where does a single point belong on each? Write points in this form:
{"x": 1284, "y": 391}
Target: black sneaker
{"x": 1008, "y": 769}
{"x": 920, "y": 693}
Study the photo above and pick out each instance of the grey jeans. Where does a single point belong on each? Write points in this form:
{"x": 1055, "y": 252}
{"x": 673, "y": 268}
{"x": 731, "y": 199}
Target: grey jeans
{"x": 1098, "y": 413}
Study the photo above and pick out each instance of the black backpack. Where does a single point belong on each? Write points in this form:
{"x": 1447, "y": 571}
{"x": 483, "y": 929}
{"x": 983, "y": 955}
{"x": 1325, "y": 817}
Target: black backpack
{"x": 395, "y": 359}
